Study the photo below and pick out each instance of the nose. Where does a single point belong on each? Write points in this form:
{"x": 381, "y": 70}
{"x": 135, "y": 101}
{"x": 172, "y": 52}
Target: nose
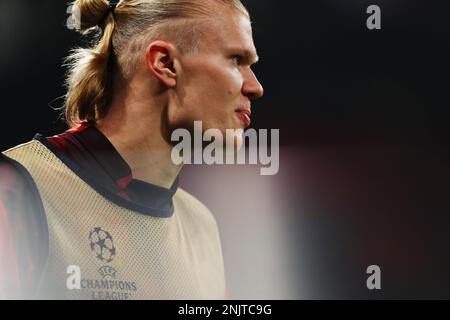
{"x": 251, "y": 87}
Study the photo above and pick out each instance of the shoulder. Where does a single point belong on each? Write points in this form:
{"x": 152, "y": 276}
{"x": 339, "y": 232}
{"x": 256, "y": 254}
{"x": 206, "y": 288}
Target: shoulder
{"x": 12, "y": 174}
{"x": 18, "y": 192}
{"x": 193, "y": 207}
{"x": 199, "y": 223}
{"x": 19, "y": 196}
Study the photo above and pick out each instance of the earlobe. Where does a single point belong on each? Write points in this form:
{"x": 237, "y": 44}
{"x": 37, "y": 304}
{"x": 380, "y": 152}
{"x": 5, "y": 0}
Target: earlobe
{"x": 160, "y": 57}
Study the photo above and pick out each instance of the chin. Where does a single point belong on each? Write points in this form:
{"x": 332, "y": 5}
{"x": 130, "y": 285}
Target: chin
{"x": 234, "y": 146}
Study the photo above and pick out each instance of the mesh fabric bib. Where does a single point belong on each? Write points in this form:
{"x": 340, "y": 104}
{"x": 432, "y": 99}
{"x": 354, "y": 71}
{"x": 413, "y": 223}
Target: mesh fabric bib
{"x": 101, "y": 250}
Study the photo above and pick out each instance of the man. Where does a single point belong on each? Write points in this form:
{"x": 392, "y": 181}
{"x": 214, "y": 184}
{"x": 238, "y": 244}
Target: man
{"x": 96, "y": 212}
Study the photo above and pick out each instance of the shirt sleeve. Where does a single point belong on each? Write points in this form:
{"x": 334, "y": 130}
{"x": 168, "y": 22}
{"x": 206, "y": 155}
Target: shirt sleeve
{"x": 23, "y": 232}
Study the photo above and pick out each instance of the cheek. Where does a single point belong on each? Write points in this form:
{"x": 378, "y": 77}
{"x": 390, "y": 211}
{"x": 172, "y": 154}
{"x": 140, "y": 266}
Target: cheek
{"x": 234, "y": 81}
{"x": 210, "y": 93}
{"x": 223, "y": 82}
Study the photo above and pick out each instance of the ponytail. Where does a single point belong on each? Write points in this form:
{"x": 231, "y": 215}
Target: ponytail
{"x": 90, "y": 70}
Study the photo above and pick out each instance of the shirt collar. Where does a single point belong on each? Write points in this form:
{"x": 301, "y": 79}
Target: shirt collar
{"x": 95, "y": 154}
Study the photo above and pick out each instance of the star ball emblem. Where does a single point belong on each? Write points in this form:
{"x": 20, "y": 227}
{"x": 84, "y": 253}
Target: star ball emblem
{"x": 102, "y": 244}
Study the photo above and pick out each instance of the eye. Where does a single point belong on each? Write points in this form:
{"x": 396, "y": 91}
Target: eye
{"x": 237, "y": 59}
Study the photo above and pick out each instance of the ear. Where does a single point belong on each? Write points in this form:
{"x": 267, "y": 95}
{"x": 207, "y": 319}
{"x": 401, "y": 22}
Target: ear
{"x": 160, "y": 56}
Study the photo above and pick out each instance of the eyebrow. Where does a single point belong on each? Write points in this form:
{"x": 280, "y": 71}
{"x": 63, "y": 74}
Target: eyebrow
{"x": 250, "y": 55}
{"x": 255, "y": 58}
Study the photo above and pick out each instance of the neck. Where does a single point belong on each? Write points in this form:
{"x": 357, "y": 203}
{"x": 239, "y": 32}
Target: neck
{"x": 136, "y": 131}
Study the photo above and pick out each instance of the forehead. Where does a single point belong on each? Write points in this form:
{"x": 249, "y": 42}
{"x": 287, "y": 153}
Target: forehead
{"x": 229, "y": 30}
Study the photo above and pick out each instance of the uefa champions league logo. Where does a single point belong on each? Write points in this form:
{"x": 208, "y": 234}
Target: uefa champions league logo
{"x": 109, "y": 286}
{"x": 102, "y": 244}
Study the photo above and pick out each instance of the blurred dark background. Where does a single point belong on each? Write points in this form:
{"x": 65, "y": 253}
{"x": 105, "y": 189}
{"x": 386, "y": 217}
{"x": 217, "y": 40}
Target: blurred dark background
{"x": 363, "y": 118}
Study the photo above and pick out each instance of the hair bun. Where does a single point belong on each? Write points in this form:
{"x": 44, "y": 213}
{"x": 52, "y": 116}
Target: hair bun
{"x": 91, "y": 13}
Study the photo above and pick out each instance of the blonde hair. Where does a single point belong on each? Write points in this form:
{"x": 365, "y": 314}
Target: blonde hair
{"x": 124, "y": 33}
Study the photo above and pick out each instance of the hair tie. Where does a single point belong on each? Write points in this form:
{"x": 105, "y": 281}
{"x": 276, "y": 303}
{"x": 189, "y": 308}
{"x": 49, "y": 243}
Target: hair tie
{"x": 112, "y": 7}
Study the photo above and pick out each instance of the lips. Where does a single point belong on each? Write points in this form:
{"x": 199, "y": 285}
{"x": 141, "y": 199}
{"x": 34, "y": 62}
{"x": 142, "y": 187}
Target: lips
{"x": 244, "y": 116}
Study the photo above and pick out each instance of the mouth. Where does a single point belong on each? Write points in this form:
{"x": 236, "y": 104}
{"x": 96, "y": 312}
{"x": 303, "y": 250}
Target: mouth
{"x": 244, "y": 116}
